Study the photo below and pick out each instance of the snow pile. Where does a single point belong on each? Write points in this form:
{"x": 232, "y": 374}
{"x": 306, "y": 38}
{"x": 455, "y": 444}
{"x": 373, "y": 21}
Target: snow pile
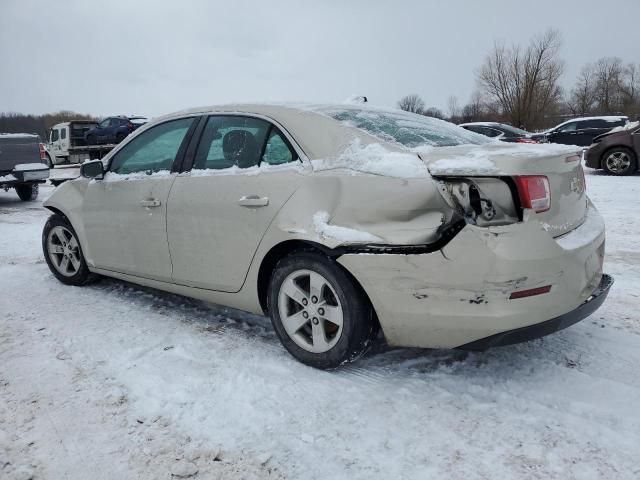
{"x": 18, "y": 135}
{"x": 343, "y": 234}
{"x": 7, "y": 178}
{"x": 26, "y": 167}
{"x": 474, "y": 163}
{"x": 377, "y": 160}
{"x": 622, "y": 128}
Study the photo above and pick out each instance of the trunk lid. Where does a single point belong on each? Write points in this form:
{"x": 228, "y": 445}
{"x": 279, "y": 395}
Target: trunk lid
{"x": 561, "y": 164}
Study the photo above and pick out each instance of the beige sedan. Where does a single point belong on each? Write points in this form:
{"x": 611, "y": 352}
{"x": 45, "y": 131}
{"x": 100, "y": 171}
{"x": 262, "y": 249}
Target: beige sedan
{"x": 340, "y": 222}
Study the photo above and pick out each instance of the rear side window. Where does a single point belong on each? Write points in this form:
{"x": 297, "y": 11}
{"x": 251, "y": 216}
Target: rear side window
{"x": 277, "y": 150}
{"x": 231, "y": 140}
{"x": 569, "y": 127}
{"x": 154, "y": 150}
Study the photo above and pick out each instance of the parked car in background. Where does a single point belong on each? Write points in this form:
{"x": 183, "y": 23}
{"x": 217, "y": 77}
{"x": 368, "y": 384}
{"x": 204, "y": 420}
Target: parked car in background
{"x": 581, "y": 131}
{"x": 66, "y": 143}
{"x": 22, "y": 164}
{"x": 113, "y": 130}
{"x": 278, "y": 210}
{"x": 616, "y": 151}
{"x": 500, "y": 131}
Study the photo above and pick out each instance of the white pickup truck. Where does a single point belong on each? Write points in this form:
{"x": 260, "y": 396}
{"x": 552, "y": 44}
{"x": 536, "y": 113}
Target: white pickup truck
{"x": 66, "y": 144}
{"x": 21, "y": 164}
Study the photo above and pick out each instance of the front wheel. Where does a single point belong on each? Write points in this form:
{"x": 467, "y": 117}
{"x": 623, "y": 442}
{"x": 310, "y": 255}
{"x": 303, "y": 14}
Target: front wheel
{"x": 62, "y": 252}
{"x": 318, "y": 311}
{"x": 28, "y": 192}
{"x": 619, "y": 161}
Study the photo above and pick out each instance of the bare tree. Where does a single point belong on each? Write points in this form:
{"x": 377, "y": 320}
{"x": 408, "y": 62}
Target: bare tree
{"x": 582, "y": 98}
{"x": 433, "y": 112}
{"x": 453, "y": 107}
{"x": 411, "y": 103}
{"x": 608, "y": 74}
{"x": 524, "y": 81}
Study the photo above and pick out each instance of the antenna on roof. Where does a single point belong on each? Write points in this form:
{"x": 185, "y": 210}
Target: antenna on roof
{"x": 357, "y": 99}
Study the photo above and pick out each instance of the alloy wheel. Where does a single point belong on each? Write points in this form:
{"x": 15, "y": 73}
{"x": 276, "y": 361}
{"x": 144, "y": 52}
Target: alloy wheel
{"x": 64, "y": 251}
{"x": 310, "y": 311}
{"x": 618, "y": 162}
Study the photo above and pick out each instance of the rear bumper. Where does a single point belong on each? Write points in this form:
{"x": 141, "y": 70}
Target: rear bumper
{"x": 37, "y": 174}
{"x": 542, "y": 329}
{"x": 461, "y": 294}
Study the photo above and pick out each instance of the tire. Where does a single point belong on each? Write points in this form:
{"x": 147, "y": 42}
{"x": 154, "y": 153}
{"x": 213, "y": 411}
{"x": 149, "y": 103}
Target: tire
{"x": 27, "y": 192}
{"x": 619, "y": 161}
{"x": 306, "y": 330}
{"x": 58, "y": 234}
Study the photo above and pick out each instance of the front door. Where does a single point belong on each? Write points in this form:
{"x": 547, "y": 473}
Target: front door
{"x": 244, "y": 171}
{"x": 124, "y": 214}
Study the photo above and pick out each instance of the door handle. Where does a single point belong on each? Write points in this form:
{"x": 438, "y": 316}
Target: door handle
{"x": 253, "y": 201}
{"x": 150, "y": 203}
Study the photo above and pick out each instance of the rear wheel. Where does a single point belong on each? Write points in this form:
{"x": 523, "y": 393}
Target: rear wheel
{"x": 619, "y": 161}
{"x": 319, "y": 313}
{"x": 28, "y": 192}
{"x": 62, "y": 252}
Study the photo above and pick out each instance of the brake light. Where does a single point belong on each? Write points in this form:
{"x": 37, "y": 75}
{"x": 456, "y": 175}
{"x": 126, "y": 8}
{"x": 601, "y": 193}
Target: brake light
{"x": 534, "y": 192}
{"x": 131, "y": 125}
{"x": 525, "y": 140}
{"x": 43, "y": 152}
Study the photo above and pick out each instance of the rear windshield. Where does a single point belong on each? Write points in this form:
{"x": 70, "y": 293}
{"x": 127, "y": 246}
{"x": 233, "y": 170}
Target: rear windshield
{"x": 408, "y": 129}
{"x": 514, "y": 130}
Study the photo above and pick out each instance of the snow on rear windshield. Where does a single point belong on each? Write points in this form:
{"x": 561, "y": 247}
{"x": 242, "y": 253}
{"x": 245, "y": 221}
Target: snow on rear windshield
{"x": 408, "y": 129}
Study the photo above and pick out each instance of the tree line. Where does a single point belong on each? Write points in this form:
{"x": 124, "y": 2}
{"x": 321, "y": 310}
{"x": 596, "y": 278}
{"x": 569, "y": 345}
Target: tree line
{"x": 520, "y": 85}
{"x": 39, "y": 124}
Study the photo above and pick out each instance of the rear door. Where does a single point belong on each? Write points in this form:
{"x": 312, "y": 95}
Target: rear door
{"x": 124, "y": 214}
{"x": 244, "y": 170}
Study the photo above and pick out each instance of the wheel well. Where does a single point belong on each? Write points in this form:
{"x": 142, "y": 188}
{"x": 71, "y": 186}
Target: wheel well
{"x": 608, "y": 150}
{"x": 286, "y": 248}
{"x": 57, "y": 212}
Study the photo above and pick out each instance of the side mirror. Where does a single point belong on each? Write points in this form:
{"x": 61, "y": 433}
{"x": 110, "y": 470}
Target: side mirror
{"x": 92, "y": 169}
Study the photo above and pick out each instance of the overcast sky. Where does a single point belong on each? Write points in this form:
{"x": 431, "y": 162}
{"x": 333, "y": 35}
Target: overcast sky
{"x": 155, "y": 56}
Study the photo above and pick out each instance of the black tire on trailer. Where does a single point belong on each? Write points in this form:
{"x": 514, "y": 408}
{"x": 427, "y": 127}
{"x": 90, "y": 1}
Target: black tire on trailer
{"x": 319, "y": 312}
{"x": 27, "y": 192}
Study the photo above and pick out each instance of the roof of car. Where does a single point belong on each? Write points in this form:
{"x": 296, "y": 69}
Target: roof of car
{"x": 318, "y": 135}
{"x": 480, "y": 124}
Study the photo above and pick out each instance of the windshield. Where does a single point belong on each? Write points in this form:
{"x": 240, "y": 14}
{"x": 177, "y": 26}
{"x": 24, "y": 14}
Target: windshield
{"x": 408, "y": 129}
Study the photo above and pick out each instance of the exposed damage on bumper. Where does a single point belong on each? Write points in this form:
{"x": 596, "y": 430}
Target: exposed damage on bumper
{"x": 460, "y": 293}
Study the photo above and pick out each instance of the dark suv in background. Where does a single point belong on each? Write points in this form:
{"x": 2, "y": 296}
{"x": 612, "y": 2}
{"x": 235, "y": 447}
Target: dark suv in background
{"x": 581, "y": 131}
{"x": 113, "y": 129}
{"x": 617, "y": 151}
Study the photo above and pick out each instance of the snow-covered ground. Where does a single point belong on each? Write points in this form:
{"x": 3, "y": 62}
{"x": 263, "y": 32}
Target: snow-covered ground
{"x": 113, "y": 381}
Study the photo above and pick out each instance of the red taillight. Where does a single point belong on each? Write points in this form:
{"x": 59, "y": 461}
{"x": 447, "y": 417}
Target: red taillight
{"x": 131, "y": 125}
{"x": 525, "y": 140}
{"x": 43, "y": 152}
{"x": 534, "y": 192}
{"x": 530, "y": 293}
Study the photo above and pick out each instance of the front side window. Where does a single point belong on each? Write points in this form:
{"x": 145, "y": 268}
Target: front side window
{"x": 54, "y": 135}
{"x": 231, "y": 140}
{"x": 104, "y": 123}
{"x": 154, "y": 150}
{"x": 569, "y": 127}
{"x": 276, "y": 150}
